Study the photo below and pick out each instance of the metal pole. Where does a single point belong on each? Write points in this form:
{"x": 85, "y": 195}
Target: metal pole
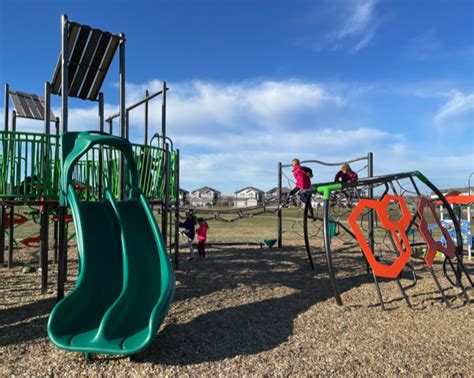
{"x": 6, "y": 106}
{"x": 11, "y": 239}
{"x": 327, "y": 248}
{"x": 111, "y": 126}
{"x": 370, "y": 173}
{"x": 280, "y": 235}
{"x": 176, "y": 216}
{"x": 101, "y": 129}
{"x": 163, "y": 114}
{"x": 123, "y": 115}
{"x": 44, "y": 211}
{"x": 469, "y": 183}
{"x": 3, "y": 214}
{"x": 165, "y": 202}
{"x": 62, "y": 266}
{"x": 146, "y": 119}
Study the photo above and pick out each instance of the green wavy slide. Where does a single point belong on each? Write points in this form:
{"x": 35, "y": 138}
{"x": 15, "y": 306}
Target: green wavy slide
{"x": 126, "y": 282}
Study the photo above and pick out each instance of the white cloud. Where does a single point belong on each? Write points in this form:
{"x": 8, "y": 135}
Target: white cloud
{"x": 458, "y": 105}
{"x": 234, "y": 134}
{"x": 354, "y": 24}
{"x": 231, "y": 107}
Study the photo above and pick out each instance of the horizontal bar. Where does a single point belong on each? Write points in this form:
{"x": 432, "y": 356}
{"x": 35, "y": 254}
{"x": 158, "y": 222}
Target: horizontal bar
{"x": 368, "y": 181}
{"x": 329, "y": 164}
{"x": 133, "y": 106}
{"x": 37, "y": 119}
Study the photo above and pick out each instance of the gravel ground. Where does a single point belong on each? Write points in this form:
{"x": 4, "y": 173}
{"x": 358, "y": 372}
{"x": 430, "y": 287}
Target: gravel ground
{"x": 258, "y": 312}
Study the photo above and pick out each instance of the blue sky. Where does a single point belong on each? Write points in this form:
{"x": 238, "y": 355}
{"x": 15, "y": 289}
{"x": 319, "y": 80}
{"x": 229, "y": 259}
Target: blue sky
{"x": 257, "y": 82}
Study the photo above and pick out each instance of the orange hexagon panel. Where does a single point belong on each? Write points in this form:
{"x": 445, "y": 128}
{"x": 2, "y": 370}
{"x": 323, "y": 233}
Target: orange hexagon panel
{"x": 396, "y": 228}
{"x": 433, "y": 245}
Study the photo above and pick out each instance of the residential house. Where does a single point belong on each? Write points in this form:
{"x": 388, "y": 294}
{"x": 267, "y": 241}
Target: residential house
{"x": 271, "y": 196}
{"x": 249, "y": 196}
{"x": 183, "y": 197}
{"x": 204, "y": 197}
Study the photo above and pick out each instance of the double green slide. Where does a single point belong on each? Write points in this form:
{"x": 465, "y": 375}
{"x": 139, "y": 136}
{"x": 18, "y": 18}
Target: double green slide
{"x": 125, "y": 283}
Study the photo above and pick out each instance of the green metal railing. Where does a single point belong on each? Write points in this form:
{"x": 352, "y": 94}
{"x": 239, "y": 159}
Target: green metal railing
{"x": 29, "y": 166}
{"x": 30, "y": 169}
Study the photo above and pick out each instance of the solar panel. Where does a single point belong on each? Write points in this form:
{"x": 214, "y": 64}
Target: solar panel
{"x": 91, "y": 52}
{"x": 29, "y": 105}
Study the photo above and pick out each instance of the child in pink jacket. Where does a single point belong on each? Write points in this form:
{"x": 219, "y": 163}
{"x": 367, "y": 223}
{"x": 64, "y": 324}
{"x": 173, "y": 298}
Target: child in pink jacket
{"x": 303, "y": 180}
{"x": 202, "y": 236}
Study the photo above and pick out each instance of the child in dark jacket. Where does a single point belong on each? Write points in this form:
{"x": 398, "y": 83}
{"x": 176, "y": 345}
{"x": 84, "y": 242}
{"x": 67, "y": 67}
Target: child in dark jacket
{"x": 189, "y": 230}
{"x": 202, "y": 237}
{"x": 346, "y": 174}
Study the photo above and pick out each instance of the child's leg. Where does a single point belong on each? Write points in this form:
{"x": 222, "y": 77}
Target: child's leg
{"x": 203, "y": 247}
{"x": 191, "y": 248}
{"x": 200, "y": 248}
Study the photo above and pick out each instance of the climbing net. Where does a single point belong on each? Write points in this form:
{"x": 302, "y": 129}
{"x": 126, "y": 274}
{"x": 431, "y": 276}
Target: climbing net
{"x": 341, "y": 201}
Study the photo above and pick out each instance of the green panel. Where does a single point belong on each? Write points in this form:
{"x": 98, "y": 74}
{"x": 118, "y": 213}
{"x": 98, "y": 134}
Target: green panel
{"x": 28, "y": 166}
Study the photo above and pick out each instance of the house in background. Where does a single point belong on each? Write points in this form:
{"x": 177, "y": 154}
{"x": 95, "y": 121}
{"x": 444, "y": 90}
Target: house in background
{"x": 183, "y": 197}
{"x": 271, "y": 196}
{"x": 204, "y": 197}
{"x": 249, "y": 196}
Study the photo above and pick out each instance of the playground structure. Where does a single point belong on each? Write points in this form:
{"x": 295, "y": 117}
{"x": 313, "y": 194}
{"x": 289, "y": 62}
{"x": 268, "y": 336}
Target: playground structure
{"x": 381, "y": 228}
{"x": 30, "y": 161}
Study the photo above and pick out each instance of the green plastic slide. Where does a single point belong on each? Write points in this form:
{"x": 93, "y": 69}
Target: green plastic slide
{"x": 126, "y": 282}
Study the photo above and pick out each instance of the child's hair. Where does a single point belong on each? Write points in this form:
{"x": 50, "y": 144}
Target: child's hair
{"x": 202, "y": 221}
{"x": 295, "y": 162}
{"x": 346, "y": 167}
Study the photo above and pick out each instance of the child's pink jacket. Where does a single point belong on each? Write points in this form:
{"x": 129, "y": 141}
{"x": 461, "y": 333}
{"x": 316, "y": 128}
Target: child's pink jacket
{"x": 202, "y": 232}
{"x": 302, "y": 179}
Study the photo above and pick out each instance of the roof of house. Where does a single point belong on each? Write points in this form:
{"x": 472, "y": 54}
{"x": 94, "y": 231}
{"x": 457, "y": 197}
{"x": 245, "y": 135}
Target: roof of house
{"x": 283, "y": 189}
{"x": 183, "y": 190}
{"x": 205, "y": 188}
{"x": 249, "y": 188}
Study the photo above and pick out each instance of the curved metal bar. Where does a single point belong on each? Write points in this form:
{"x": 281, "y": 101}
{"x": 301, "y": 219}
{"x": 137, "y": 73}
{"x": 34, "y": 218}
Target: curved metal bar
{"x": 329, "y": 164}
{"x": 305, "y": 232}
{"x": 327, "y": 249}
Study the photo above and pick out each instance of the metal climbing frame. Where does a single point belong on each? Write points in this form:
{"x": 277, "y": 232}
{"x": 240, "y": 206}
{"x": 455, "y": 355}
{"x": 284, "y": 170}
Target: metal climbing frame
{"x": 29, "y": 162}
{"x": 370, "y": 171}
{"x": 390, "y": 203}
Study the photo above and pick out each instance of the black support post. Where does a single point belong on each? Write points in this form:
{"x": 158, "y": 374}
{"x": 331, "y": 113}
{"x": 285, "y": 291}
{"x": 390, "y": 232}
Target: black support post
{"x": 146, "y": 119}
{"x": 3, "y": 211}
{"x": 280, "y": 209}
{"x": 165, "y": 202}
{"x": 370, "y": 173}
{"x": 101, "y": 162}
{"x": 176, "y": 216}
{"x": 327, "y": 248}
{"x": 163, "y": 114}
{"x": 62, "y": 212}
